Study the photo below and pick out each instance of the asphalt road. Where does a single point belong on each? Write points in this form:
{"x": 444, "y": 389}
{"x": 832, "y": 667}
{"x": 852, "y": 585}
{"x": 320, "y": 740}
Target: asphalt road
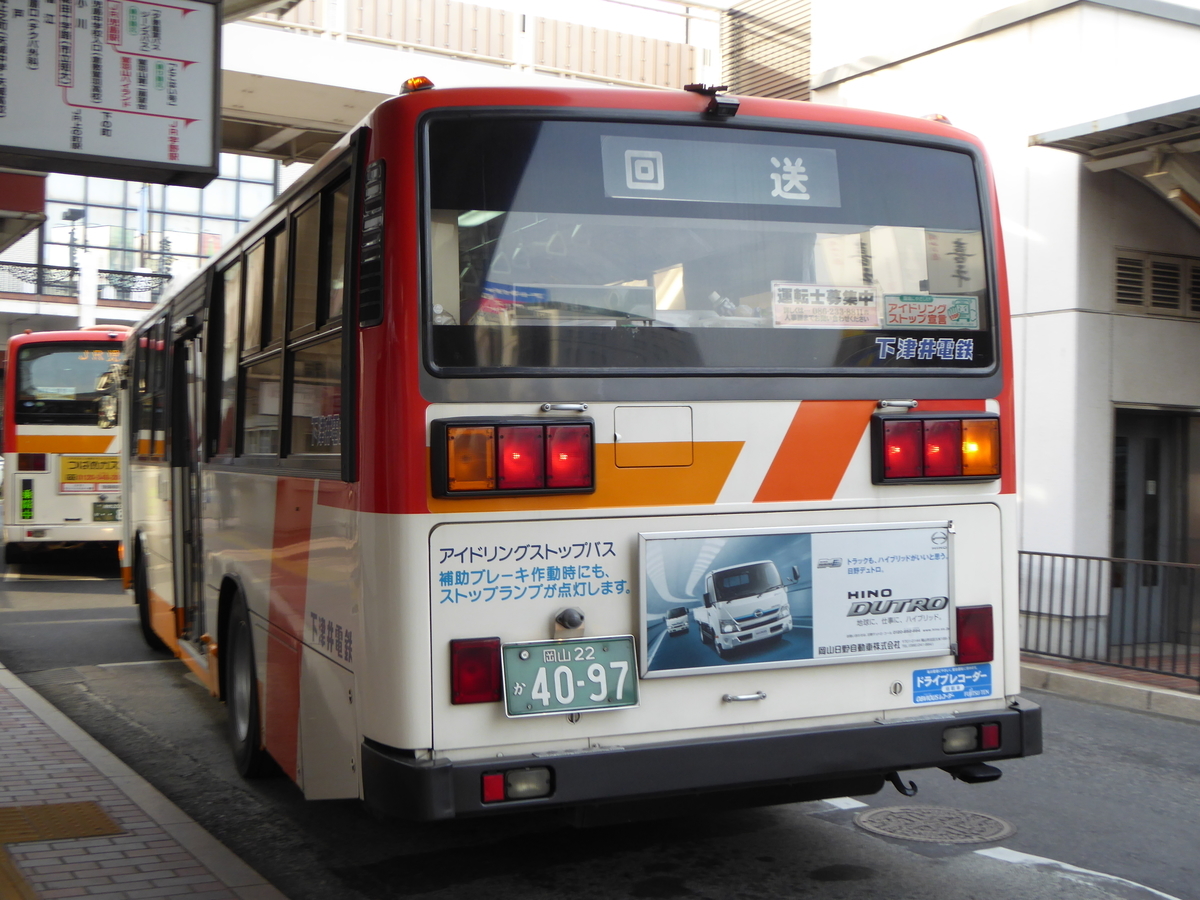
{"x": 1116, "y": 792}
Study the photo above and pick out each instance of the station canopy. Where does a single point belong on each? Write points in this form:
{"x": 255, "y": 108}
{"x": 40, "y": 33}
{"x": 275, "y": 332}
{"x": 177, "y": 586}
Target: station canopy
{"x": 1159, "y": 145}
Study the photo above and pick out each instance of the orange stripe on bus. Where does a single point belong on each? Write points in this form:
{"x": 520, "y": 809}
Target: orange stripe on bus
{"x": 635, "y": 455}
{"x": 697, "y": 484}
{"x": 163, "y": 622}
{"x": 816, "y": 450}
{"x": 64, "y": 443}
{"x": 167, "y": 622}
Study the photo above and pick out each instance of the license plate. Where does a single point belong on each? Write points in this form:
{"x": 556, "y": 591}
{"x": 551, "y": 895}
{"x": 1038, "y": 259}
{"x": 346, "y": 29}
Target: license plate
{"x": 542, "y": 678}
{"x": 105, "y": 511}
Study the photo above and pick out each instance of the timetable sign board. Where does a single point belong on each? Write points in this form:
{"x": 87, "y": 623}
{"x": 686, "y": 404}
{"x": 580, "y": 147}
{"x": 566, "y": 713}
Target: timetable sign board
{"x": 113, "y": 88}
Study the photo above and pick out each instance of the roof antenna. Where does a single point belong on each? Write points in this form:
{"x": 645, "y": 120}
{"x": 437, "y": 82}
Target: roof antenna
{"x": 719, "y": 107}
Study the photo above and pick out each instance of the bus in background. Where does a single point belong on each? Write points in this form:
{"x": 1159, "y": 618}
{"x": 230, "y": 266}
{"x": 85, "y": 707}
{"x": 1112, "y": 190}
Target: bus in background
{"x": 61, "y": 457}
{"x": 423, "y": 465}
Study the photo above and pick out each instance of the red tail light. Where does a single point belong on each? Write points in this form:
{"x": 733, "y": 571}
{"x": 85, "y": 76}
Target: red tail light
{"x": 939, "y": 446}
{"x": 522, "y": 459}
{"x": 479, "y": 457}
{"x": 569, "y": 456}
{"x": 493, "y": 787}
{"x": 974, "y": 634}
{"x": 943, "y": 448}
{"x": 902, "y": 449}
{"x": 475, "y": 671}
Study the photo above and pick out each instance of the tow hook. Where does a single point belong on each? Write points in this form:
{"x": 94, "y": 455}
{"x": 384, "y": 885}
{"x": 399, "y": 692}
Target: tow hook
{"x": 974, "y": 773}
{"x": 908, "y": 791}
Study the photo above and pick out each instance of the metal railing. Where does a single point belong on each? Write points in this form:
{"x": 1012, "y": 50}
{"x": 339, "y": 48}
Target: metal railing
{"x": 1132, "y": 613}
{"x": 63, "y": 281}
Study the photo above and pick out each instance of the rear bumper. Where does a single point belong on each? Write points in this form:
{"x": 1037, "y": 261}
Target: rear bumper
{"x": 84, "y": 532}
{"x": 397, "y": 784}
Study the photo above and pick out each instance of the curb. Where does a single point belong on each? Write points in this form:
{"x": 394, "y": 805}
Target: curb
{"x": 222, "y": 862}
{"x": 1111, "y": 691}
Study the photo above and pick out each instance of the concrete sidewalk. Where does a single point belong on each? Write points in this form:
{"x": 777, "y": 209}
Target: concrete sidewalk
{"x": 75, "y": 821}
{"x": 1128, "y": 688}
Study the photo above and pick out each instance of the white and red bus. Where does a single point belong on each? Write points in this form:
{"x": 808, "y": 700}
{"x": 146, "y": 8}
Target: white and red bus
{"x": 61, "y": 453}
{"x": 423, "y": 464}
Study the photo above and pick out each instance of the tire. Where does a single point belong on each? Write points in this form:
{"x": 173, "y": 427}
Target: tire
{"x": 141, "y": 596}
{"x": 241, "y": 694}
{"x": 13, "y": 554}
{"x": 705, "y": 637}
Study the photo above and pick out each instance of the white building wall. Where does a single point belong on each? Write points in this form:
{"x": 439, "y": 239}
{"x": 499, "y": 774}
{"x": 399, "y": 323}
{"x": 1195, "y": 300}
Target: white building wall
{"x": 1075, "y": 358}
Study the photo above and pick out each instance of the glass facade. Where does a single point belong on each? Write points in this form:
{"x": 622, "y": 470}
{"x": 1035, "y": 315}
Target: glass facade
{"x": 144, "y": 234}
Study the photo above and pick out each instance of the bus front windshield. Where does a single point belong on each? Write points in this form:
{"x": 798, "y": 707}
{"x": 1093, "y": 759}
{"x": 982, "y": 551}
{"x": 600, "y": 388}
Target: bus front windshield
{"x": 745, "y": 581}
{"x": 56, "y": 382}
{"x": 627, "y": 248}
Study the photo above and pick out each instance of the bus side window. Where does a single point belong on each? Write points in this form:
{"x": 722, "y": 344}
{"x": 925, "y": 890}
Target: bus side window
{"x": 154, "y": 408}
{"x": 306, "y": 257}
{"x": 338, "y": 227}
{"x": 315, "y": 368}
{"x": 275, "y": 297}
{"x": 260, "y": 408}
{"x": 289, "y": 394}
{"x": 252, "y": 330}
{"x": 316, "y": 407}
{"x": 231, "y": 305}
{"x": 138, "y": 418}
{"x": 319, "y": 271}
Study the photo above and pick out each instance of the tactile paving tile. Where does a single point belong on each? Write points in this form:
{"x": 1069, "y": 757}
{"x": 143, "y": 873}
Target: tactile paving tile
{"x": 54, "y": 822}
{"x": 13, "y": 885}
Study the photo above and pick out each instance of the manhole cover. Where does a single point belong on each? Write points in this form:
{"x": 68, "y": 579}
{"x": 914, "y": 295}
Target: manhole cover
{"x": 934, "y": 824}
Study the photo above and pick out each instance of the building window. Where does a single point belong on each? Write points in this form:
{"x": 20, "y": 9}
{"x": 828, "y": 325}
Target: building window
{"x": 143, "y": 234}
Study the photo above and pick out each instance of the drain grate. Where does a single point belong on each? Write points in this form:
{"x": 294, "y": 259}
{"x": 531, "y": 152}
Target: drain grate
{"x": 934, "y": 824}
{"x": 54, "y": 822}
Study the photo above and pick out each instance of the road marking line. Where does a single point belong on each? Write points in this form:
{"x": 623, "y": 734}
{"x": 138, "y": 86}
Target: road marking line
{"x": 138, "y": 662}
{"x": 1028, "y": 859}
{"x": 845, "y": 803}
{"x": 123, "y": 621}
{"x": 654, "y": 649}
{"x": 1004, "y": 854}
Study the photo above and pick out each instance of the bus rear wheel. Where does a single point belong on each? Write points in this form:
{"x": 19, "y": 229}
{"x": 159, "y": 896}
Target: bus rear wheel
{"x": 241, "y": 697}
{"x": 141, "y": 595}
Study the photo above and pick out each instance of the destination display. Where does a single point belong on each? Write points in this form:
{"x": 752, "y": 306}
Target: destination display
{"x": 668, "y": 169}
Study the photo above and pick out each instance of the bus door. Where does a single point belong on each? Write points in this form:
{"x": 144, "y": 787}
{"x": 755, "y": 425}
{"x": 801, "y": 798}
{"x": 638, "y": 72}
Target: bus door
{"x": 187, "y": 411}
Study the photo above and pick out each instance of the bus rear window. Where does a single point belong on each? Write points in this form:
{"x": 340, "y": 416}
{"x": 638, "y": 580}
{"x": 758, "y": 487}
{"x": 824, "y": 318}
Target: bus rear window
{"x": 56, "y": 383}
{"x": 626, "y": 248}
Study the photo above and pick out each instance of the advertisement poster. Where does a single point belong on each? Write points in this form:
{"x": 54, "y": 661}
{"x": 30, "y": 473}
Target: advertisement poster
{"x": 930, "y": 311}
{"x": 824, "y": 305}
{"x": 773, "y": 598}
